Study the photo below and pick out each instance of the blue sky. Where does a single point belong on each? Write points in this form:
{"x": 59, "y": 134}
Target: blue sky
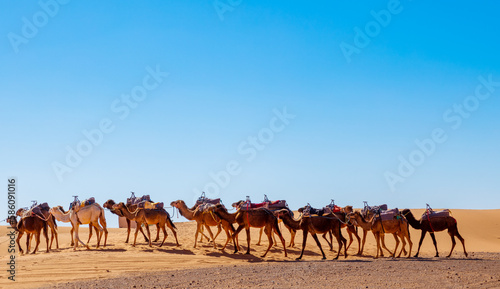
{"x": 229, "y": 71}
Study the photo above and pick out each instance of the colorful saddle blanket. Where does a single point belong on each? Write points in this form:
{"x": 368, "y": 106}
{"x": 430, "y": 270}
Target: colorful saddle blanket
{"x": 436, "y": 214}
{"x": 204, "y": 207}
{"x": 332, "y": 209}
{"x": 150, "y": 205}
{"x": 388, "y": 215}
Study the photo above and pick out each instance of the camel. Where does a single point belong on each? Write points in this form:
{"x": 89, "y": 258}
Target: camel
{"x": 292, "y": 232}
{"x": 61, "y": 215}
{"x": 396, "y": 227}
{"x": 29, "y": 225}
{"x": 110, "y": 204}
{"x": 160, "y": 218}
{"x": 91, "y": 214}
{"x": 349, "y": 211}
{"x": 256, "y": 218}
{"x": 203, "y": 219}
{"x": 344, "y": 222}
{"x": 51, "y": 222}
{"x": 436, "y": 224}
{"x": 314, "y": 225}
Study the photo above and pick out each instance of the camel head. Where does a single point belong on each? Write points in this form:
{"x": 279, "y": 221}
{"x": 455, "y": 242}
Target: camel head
{"x": 12, "y": 220}
{"x": 348, "y": 209}
{"x": 20, "y": 212}
{"x": 177, "y": 203}
{"x": 237, "y": 204}
{"x": 281, "y": 213}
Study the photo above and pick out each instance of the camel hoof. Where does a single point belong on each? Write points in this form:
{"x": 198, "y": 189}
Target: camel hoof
{"x": 247, "y": 253}
{"x": 324, "y": 258}
{"x": 298, "y": 259}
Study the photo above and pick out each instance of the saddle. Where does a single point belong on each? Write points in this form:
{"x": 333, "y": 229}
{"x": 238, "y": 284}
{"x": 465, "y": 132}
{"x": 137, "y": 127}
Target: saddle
{"x": 204, "y": 207}
{"x": 270, "y": 205}
{"x": 133, "y": 200}
{"x": 150, "y": 205}
{"x": 36, "y": 210}
{"x": 332, "y": 208}
{"x": 204, "y": 200}
{"x": 430, "y": 213}
{"x": 388, "y": 215}
{"x": 373, "y": 209}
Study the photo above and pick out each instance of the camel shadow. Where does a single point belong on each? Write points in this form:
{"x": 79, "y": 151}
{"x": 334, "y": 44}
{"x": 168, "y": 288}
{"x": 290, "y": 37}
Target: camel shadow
{"x": 110, "y": 250}
{"x": 176, "y": 251}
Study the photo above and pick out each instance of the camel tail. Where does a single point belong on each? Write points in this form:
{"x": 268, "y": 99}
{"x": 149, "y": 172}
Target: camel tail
{"x": 170, "y": 222}
{"x": 102, "y": 219}
{"x": 54, "y": 221}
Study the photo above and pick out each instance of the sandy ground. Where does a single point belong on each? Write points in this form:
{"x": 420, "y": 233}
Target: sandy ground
{"x": 120, "y": 265}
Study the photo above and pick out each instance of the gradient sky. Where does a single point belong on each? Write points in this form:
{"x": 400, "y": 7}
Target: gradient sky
{"x": 353, "y": 120}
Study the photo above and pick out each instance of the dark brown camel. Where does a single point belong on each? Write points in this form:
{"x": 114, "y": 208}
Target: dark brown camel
{"x": 256, "y": 218}
{"x": 110, "y": 205}
{"x": 315, "y": 225}
{"x": 30, "y": 225}
{"x": 435, "y": 224}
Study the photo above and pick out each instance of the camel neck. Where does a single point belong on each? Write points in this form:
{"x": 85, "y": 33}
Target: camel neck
{"x": 290, "y": 222}
{"x": 363, "y": 223}
{"x": 185, "y": 211}
{"x": 62, "y": 217}
{"x": 412, "y": 221}
{"x": 127, "y": 214}
{"x": 223, "y": 214}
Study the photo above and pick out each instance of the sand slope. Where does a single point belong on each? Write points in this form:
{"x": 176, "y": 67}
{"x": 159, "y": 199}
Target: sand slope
{"x": 480, "y": 228}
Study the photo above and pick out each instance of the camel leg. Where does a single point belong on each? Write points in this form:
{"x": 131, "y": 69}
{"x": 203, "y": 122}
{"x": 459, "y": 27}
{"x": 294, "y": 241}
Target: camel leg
{"x": 219, "y": 229}
{"x": 164, "y": 234}
{"x": 149, "y": 234}
{"x": 46, "y": 235}
{"x": 350, "y": 238}
{"x": 315, "y": 237}
{"x": 28, "y": 236}
{"x": 304, "y": 240}
{"x": 228, "y": 237}
{"x": 137, "y": 227}
{"x": 461, "y": 240}
{"x": 276, "y": 229}
{"x": 198, "y": 229}
{"x": 377, "y": 238}
{"x": 173, "y": 232}
{"x": 71, "y": 233}
{"x": 37, "y": 235}
{"x": 21, "y": 233}
{"x": 57, "y": 235}
{"x": 422, "y": 236}
{"x": 453, "y": 243}
{"x": 274, "y": 239}
{"x": 403, "y": 242}
{"x": 292, "y": 238}
{"x": 77, "y": 238}
{"x": 364, "y": 240}
{"x": 235, "y": 234}
{"x": 340, "y": 240}
{"x": 326, "y": 239}
{"x": 270, "y": 235}
{"x": 104, "y": 225}
{"x": 90, "y": 234}
{"x": 128, "y": 229}
{"x": 98, "y": 232}
{"x": 248, "y": 240}
{"x": 435, "y": 243}
{"x": 260, "y": 236}
{"x": 157, "y": 232}
{"x": 212, "y": 235}
{"x": 382, "y": 240}
{"x": 353, "y": 230}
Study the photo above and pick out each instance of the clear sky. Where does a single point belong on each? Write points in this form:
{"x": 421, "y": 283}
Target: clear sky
{"x": 297, "y": 100}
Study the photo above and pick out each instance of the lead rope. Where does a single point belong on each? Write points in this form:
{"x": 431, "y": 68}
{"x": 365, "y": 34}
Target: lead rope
{"x": 429, "y": 219}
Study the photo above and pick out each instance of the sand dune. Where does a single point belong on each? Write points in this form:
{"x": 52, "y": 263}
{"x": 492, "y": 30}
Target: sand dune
{"x": 480, "y": 228}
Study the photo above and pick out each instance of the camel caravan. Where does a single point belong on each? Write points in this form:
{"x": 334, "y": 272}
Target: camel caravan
{"x": 268, "y": 216}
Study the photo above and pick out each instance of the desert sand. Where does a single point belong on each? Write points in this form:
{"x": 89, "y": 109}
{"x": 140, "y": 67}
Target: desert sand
{"x": 120, "y": 265}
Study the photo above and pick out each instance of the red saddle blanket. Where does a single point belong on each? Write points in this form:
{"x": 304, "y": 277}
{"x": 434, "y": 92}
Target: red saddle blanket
{"x": 332, "y": 209}
{"x": 436, "y": 214}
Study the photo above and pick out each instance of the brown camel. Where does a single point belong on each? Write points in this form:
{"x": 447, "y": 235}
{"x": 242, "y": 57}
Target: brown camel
{"x": 344, "y": 221}
{"x": 110, "y": 204}
{"x": 396, "y": 227}
{"x": 432, "y": 225}
{"x": 256, "y": 218}
{"x": 51, "y": 222}
{"x": 314, "y": 225}
{"x": 349, "y": 211}
{"x": 148, "y": 217}
{"x": 203, "y": 219}
{"x": 29, "y": 225}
